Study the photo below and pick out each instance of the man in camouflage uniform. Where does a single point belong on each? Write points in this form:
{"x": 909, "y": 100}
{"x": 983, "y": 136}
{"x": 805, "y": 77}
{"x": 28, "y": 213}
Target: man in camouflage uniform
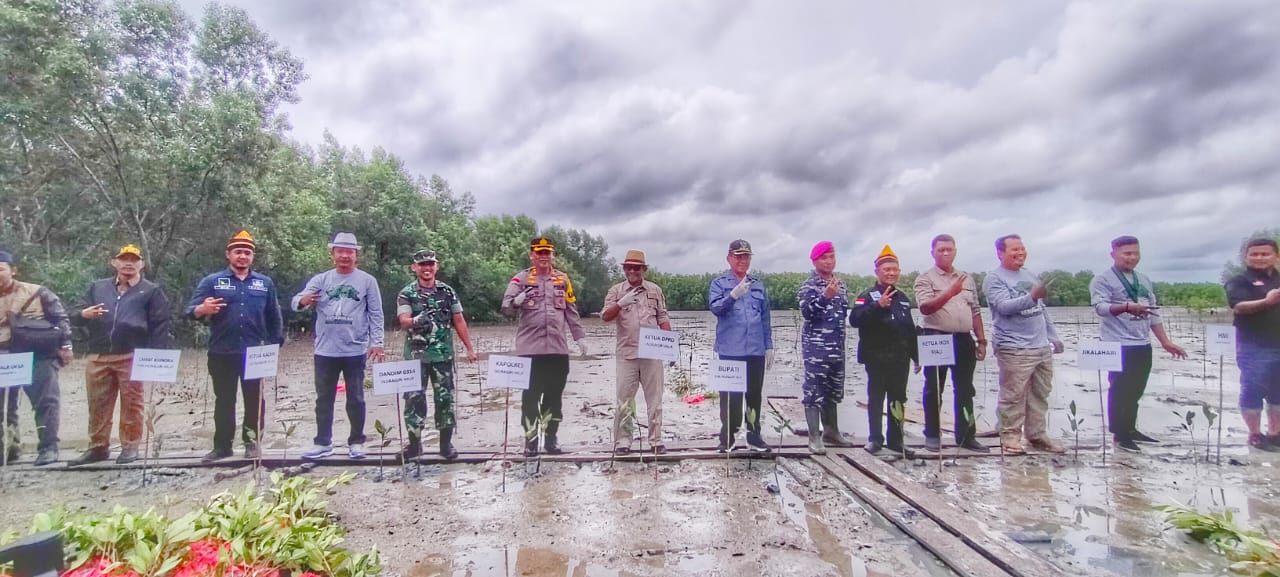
{"x": 824, "y": 302}
{"x": 429, "y": 310}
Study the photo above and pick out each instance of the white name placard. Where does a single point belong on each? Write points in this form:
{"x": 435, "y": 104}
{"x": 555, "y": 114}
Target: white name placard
{"x": 936, "y": 350}
{"x": 397, "y": 377}
{"x": 155, "y": 365}
{"x": 17, "y": 369}
{"x": 261, "y": 361}
{"x": 509, "y": 372}
{"x": 1220, "y": 340}
{"x": 729, "y": 376}
{"x": 1100, "y": 356}
{"x": 659, "y": 344}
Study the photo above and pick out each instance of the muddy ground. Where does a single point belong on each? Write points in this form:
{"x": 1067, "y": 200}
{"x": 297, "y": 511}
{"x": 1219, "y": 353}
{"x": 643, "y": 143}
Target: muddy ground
{"x": 700, "y": 517}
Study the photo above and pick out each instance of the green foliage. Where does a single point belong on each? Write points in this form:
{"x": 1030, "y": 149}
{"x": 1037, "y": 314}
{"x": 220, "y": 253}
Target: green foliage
{"x": 1250, "y": 552}
{"x": 133, "y": 122}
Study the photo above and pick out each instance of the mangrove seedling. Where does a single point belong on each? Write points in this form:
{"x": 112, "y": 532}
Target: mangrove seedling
{"x": 781, "y": 424}
{"x": 1210, "y": 416}
{"x": 384, "y": 436}
{"x": 1075, "y": 422}
{"x": 287, "y": 427}
{"x": 1188, "y": 424}
{"x": 536, "y": 429}
{"x": 627, "y": 412}
{"x": 897, "y": 412}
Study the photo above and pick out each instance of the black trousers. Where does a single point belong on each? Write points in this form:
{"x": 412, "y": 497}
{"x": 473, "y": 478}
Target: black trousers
{"x": 227, "y": 372}
{"x": 886, "y": 380}
{"x": 547, "y": 378}
{"x": 1127, "y": 387}
{"x": 327, "y": 370}
{"x": 935, "y": 379}
{"x": 46, "y": 398}
{"x": 731, "y": 415}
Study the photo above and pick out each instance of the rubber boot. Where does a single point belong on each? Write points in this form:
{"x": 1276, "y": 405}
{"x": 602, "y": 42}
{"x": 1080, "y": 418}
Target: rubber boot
{"x": 413, "y": 449}
{"x": 549, "y": 441}
{"x": 446, "y": 444}
{"x": 813, "y": 415}
{"x": 831, "y": 428}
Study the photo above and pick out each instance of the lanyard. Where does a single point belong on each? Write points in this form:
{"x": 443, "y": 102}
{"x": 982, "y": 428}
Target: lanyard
{"x": 1132, "y": 288}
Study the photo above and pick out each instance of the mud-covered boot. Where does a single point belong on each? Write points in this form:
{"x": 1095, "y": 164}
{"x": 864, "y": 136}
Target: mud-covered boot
{"x": 813, "y": 415}
{"x": 831, "y": 428}
{"x": 413, "y": 449}
{"x": 446, "y": 444}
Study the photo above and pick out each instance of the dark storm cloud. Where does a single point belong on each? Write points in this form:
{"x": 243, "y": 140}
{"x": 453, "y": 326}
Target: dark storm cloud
{"x": 680, "y": 126}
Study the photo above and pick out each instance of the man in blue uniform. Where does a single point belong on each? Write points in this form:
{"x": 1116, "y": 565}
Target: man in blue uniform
{"x": 743, "y": 333}
{"x": 887, "y": 348}
{"x": 824, "y": 302}
{"x": 243, "y": 310}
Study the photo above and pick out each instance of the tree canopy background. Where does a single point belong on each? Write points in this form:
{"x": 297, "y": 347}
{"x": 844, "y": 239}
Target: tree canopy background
{"x": 135, "y": 122}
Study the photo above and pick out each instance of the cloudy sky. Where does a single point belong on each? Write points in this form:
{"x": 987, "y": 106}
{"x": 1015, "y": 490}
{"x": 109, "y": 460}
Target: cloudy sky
{"x": 677, "y": 126}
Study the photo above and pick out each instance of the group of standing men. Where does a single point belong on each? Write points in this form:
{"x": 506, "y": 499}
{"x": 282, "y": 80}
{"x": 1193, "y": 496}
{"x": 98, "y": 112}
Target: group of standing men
{"x": 127, "y": 312}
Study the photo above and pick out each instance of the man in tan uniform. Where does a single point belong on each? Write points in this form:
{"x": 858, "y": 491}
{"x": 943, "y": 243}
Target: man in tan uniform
{"x": 542, "y": 301}
{"x": 636, "y": 303}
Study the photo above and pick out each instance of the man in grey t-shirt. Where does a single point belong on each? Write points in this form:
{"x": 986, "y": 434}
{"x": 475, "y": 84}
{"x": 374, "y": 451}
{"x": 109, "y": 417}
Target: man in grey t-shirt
{"x": 1025, "y": 343}
{"x": 1126, "y": 304}
{"x": 349, "y": 332}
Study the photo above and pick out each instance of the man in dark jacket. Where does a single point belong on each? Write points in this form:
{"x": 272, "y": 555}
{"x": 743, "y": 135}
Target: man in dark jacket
{"x": 122, "y": 313}
{"x": 886, "y": 342}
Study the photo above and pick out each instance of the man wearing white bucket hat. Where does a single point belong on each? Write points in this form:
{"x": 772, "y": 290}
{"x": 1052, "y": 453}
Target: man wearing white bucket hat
{"x": 349, "y": 332}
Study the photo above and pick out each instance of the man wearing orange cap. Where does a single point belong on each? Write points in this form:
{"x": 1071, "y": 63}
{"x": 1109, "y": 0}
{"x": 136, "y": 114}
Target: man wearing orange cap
{"x": 123, "y": 313}
{"x": 887, "y": 348}
{"x": 541, "y": 299}
{"x": 824, "y": 302}
{"x": 635, "y": 303}
{"x": 243, "y": 310}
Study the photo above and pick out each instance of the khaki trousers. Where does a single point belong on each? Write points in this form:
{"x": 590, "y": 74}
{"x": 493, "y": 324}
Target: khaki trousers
{"x": 636, "y": 374}
{"x": 105, "y": 377}
{"x": 1026, "y": 379}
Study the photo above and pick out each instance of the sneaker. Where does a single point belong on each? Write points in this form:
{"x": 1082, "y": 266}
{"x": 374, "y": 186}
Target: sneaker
{"x": 318, "y": 452}
{"x": 975, "y": 446}
{"x": 215, "y": 455}
{"x": 933, "y": 444}
{"x": 90, "y": 456}
{"x": 354, "y": 450}
{"x": 756, "y": 444}
{"x": 1047, "y": 446}
{"x": 127, "y": 456}
{"x": 873, "y": 447}
{"x": 726, "y": 446}
{"x": 46, "y": 457}
{"x": 1128, "y": 445}
{"x": 1139, "y": 437}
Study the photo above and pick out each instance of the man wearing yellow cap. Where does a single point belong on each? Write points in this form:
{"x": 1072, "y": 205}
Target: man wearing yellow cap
{"x": 122, "y": 313}
{"x": 242, "y": 308}
{"x": 887, "y": 348}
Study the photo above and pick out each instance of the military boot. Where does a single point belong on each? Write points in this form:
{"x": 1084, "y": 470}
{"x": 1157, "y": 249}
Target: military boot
{"x": 831, "y": 428}
{"x": 813, "y": 415}
{"x": 446, "y": 444}
{"x": 413, "y": 449}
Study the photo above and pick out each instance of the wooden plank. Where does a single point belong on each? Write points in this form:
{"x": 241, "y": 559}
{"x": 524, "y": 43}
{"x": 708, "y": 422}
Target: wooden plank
{"x": 953, "y": 552}
{"x": 978, "y": 535}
